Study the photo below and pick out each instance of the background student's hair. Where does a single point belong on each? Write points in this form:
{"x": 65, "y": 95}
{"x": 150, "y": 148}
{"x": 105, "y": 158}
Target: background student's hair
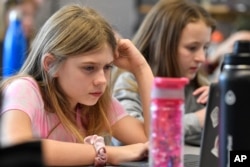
{"x": 156, "y": 39}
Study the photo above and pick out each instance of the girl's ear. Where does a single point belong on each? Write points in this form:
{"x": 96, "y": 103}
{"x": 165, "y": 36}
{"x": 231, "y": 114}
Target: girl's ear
{"x": 47, "y": 61}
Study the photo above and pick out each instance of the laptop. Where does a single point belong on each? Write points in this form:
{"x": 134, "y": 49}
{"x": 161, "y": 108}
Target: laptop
{"x": 209, "y": 143}
{"x": 209, "y": 151}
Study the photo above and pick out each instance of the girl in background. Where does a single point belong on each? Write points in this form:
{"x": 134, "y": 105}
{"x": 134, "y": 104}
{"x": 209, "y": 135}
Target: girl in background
{"x": 173, "y": 38}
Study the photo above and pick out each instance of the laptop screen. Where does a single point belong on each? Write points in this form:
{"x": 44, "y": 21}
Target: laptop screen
{"x": 209, "y": 145}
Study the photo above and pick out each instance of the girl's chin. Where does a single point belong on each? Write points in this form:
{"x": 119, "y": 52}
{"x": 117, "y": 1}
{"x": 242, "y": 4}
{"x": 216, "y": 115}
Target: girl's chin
{"x": 191, "y": 76}
{"x": 89, "y": 103}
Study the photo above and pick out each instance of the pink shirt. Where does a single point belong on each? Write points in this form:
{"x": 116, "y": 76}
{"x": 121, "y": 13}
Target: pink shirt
{"x": 24, "y": 94}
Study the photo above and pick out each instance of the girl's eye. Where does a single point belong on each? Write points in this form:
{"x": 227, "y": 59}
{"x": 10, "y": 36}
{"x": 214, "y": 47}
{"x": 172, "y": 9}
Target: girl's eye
{"x": 206, "y": 48}
{"x": 108, "y": 67}
{"x": 192, "y": 48}
{"x": 89, "y": 68}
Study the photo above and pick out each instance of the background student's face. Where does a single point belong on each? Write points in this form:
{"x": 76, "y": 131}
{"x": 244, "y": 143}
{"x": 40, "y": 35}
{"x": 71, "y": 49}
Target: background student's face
{"x": 28, "y": 20}
{"x": 28, "y": 10}
{"x": 84, "y": 77}
{"x": 192, "y": 48}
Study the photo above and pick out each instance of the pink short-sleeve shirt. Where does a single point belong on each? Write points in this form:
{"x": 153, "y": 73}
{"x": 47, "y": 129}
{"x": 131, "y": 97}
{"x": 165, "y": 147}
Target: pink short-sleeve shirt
{"x": 23, "y": 94}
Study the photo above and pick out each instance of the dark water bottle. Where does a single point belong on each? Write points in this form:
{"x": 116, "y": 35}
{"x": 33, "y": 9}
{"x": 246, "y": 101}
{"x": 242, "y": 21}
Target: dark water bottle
{"x": 234, "y": 115}
{"x": 14, "y": 46}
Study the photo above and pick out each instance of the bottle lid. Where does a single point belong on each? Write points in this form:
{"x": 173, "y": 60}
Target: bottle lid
{"x": 240, "y": 54}
{"x": 241, "y": 46}
{"x": 170, "y": 88}
{"x": 15, "y": 14}
{"x": 168, "y": 82}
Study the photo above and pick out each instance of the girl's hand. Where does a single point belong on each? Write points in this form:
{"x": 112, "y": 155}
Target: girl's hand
{"x": 227, "y": 45}
{"x": 203, "y": 94}
{"x": 128, "y": 57}
{"x": 128, "y": 153}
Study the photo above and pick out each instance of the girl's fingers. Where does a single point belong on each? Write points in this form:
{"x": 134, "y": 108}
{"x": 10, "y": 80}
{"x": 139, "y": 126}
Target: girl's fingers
{"x": 203, "y": 91}
{"x": 202, "y": 99}
{"x": 200, "y": 90}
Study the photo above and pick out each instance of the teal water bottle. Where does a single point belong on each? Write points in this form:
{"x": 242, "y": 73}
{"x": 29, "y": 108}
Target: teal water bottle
{"x": 14, "y": 46}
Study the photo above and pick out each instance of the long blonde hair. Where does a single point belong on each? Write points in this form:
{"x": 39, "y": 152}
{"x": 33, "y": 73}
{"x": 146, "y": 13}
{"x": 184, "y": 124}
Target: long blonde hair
{"x": 70, "y": 31}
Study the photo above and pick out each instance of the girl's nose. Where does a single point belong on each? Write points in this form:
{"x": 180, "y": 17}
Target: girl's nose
{"x": 100, "y": 78}
{"x": 200, "y": 56}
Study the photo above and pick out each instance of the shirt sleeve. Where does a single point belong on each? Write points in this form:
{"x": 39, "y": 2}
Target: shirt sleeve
{"x": 117, "y": 111}
{"x": 126, "y": 92}
{"x": 192, "y": 128}
{"x": 22, "y": 94}
{"x": 191, "y": 124}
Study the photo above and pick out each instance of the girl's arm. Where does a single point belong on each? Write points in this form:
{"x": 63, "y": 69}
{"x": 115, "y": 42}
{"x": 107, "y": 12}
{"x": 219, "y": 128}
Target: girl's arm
{"x": 58, "y": 153}
{"x": 129, "y": 58}
{"x": 144, "y": 77}
{"x": 16, "y": 128}
{"x": 129, "y": 130}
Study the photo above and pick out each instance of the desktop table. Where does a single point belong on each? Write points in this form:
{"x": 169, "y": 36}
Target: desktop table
{"x": 189, "y": 149}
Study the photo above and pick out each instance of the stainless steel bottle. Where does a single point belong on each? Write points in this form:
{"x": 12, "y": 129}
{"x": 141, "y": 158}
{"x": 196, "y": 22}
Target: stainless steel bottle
{"x": 234, "y": 114}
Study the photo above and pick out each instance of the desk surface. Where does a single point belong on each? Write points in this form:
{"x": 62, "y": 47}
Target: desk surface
{"x": 189, "y": 149}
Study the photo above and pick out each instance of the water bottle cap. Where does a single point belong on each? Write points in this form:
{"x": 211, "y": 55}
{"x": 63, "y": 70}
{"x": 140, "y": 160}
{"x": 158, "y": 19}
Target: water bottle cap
{"x": 239, "y": 56}
{"x": 170, "y": 88}
{"x": 168, "y": 82}
{"x": 15, "y": 14}
{"x": 241, "y": 46}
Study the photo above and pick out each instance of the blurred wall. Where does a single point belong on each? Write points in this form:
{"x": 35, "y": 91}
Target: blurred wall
{"x": 1, "y": 20}
{"x": 122, "y": 14}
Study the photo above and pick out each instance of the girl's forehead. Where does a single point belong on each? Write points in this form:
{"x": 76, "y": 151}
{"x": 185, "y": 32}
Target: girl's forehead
{"x": 104, "y": 54}
{"x": 196, "y": 29}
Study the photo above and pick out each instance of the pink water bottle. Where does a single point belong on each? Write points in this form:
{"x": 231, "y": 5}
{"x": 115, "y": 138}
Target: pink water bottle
{"x": 167, "y": 134}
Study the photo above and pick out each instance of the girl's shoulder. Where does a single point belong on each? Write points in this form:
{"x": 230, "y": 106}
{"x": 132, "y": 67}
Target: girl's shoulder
{"x": 25, "y": 81}
{"x": 23, "y": 94}
{"x": 22, "y": 85}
